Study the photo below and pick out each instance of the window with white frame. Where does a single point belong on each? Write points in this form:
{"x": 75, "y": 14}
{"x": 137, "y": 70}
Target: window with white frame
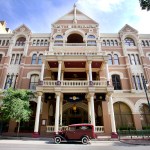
{"x": 40, "y": 59}
{"x": 33, "y": 81}
{"x": 12, "y": 59}
{"x": 110, "y": 61}
{"x": 116, "y": 59}
{"x": 139, "y": 85}
{"x": 34, "y": 59}
{"x": 20, "y": 41}
{"x": 116, "y": 82}
{"x": 129, "y": 42}
{"x": 16, "y": 58}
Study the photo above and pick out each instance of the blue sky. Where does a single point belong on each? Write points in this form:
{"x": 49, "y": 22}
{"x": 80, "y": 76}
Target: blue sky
{"x": 38, "y": 15}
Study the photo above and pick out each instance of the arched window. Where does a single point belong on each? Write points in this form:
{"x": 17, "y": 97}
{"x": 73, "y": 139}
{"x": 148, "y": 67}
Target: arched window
{"x": 34, "y": 59}
{"x": 20, "y": 41}
{"x": 143, "y": 43}
{"x": 3, "y": 43}
{"x": 40, "y": 59}
{"x": 123, "y": 116}
{"x": 34, "y": 43}
{"x": 129, "y": 42}
{"x": 145, "y": 115}
{"x": 116, "y": 59}
{"x": 42, "y": 43}
{"x": 38, "y": 43}
{"x": 59, "y": 37}
{"x": 104, "y": 43}
{"x": 146, "y": 43}
{"x": 46, "y": 43}
{"x": 110, "y": 61}
{"x": 91, "y": 37}
{"x": 7, "y": 43}
{"x": 33, "y": 81}
{"x": 116, "y": 82}
{"x": 108, "y": 43}
{"x": 111, "y": 43}
{"x": 116, "y": 43}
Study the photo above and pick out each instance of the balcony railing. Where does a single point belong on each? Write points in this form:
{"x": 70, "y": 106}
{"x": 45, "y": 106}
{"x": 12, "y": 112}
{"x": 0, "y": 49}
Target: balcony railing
{"x": 74, "y": 83}
{"x": 74, "y": 44}
{"x": 98, "y": 129}
{"x": 76, "y": 53}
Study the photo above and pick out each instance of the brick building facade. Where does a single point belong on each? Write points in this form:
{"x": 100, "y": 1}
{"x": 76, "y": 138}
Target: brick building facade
{"x": 79, "y": 75}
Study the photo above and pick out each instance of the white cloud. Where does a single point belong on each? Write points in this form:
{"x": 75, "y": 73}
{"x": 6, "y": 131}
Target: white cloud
{"x": 102, "y": 5}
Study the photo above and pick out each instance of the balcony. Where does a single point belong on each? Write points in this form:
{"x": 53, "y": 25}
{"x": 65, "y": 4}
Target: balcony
{"x": 75, "y": 53}
{"x": 75, "y": 44}
{"x": 75, "y": 83}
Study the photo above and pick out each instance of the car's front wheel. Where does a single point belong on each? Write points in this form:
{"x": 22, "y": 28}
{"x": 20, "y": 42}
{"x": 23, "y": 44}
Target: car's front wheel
{"x": 57, "y": 140}
{"x": 85, "y": 140}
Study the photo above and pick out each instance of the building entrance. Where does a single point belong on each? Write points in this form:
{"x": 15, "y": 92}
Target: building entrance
{"x": 74, "y": 116}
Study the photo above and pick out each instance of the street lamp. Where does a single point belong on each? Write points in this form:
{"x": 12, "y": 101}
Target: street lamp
{"x": 145, "y": 85}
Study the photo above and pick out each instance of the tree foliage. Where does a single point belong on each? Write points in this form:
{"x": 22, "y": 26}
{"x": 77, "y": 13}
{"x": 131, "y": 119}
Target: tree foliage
{"x": 16, "y": 105}
{"x": 145, "y": 4}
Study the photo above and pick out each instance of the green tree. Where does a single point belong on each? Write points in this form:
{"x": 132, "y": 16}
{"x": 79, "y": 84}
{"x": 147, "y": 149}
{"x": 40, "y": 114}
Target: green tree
{"x": 145, "y": 4}
{"x": 16, "y": 105}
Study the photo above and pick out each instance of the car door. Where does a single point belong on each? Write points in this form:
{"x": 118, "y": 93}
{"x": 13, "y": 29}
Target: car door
{"x": 71, "y": 134}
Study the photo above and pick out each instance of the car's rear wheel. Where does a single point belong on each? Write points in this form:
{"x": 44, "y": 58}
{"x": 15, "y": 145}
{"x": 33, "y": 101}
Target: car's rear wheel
{"x": 85, "y": 140}
{"x": 57, "y": 140}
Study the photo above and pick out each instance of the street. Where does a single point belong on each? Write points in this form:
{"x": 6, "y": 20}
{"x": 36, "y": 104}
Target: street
{"x": 47, "y": 145}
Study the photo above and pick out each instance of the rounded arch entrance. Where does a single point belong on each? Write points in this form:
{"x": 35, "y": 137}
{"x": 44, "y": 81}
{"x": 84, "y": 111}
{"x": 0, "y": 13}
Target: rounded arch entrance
{"x": 72, "y": 115}
{"x": 74, "y": 38}
{"x": 123, "y": 116}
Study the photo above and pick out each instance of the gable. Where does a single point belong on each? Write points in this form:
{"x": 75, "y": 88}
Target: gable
{"x": 128, "y": 28}
{"x": 22, "y": 28}
{"x": 80, "y": 17}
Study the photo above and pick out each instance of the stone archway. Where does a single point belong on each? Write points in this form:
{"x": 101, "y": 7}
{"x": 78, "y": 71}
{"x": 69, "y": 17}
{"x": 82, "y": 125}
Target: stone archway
{"x": 72, "y": 115}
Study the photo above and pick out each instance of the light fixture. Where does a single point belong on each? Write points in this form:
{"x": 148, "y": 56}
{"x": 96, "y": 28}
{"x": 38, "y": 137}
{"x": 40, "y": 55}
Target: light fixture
{"x": 74, "y": 107}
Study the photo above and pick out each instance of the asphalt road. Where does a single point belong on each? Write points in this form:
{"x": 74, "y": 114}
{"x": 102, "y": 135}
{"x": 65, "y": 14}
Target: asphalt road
{"x": 47, "y": 145}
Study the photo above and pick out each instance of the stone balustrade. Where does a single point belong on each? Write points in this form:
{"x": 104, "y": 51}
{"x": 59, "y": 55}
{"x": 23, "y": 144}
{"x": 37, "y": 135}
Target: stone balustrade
{"x": 74, "y": 83}
{"x": 76, "y": 53}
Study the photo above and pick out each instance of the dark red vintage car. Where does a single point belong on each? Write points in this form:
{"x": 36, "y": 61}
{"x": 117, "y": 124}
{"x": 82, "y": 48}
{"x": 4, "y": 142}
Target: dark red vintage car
{"x": 76, "y": 132}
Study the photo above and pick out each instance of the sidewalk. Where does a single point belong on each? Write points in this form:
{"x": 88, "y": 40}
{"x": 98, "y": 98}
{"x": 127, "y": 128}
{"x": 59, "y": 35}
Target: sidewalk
{"x": 99, "y": 138}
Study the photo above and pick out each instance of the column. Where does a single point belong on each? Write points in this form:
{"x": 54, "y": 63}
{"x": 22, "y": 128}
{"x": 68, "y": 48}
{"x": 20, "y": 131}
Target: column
{"x": 59, "y": 72}
{"x": 89, "y": 110}
{"x": 42, "y": 72}
{"x": 92, "y": 109}
{"x": 62, "y": 75}
{"x": 87, "y": 76}
{"x": 57, "y": 113}
{"x": 112, "y": 117}
{"x": 61, "y": 109}
{"x": 37, "y": 118}
{"x": 90, "y": 72}
{"x": 107, "y": 73}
